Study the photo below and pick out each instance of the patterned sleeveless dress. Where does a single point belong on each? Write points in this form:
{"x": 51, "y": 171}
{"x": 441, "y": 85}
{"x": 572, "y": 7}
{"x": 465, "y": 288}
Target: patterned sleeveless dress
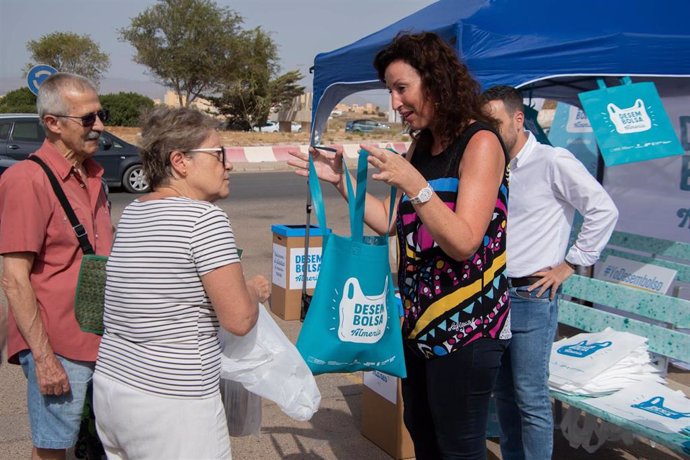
{"x": 448, "y": 303}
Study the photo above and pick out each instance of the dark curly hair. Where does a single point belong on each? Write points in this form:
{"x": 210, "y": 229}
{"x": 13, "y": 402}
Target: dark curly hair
{"x": 456, "y": 95}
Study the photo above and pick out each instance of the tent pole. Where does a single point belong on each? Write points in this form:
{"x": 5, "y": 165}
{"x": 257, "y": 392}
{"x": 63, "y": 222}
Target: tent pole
{"x": 306, "y": 299}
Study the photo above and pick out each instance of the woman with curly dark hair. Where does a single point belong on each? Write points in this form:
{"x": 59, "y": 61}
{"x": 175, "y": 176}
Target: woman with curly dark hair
{"x": 450, "y": 222}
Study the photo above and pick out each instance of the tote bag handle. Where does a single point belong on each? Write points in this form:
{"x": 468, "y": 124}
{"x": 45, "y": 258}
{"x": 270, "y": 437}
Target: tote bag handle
{"x": 356, "y": 200}
{"x": 624, "y": 81}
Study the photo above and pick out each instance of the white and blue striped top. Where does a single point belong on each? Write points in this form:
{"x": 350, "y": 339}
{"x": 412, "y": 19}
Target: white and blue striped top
{"x": 160, "y": 327}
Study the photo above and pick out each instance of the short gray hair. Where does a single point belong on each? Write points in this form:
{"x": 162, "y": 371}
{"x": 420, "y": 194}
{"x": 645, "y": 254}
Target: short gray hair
{"x": 165, "y": 129}
{"x": 51, "y": 99}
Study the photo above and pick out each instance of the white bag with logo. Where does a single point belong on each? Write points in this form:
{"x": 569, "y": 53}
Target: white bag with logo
{"x": 654, "y": 405}
{"x": 579, "y": 359}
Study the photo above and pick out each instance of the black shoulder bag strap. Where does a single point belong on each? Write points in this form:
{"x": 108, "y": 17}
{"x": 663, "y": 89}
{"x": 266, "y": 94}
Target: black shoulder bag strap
{"x": 78, "y": 228}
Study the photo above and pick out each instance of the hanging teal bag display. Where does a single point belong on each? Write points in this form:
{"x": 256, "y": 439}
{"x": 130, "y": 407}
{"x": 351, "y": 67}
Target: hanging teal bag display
{"x": 353, "y": 321}
{"x": 630, "y": 123}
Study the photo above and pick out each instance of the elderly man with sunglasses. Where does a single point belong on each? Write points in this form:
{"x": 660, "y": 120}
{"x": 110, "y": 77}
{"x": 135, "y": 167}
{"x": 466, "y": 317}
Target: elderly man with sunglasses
{"x": 42, "y": 256}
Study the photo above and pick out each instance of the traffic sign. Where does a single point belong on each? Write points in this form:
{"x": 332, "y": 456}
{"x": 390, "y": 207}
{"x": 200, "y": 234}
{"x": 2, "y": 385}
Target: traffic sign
{"x": 37, "y": 74}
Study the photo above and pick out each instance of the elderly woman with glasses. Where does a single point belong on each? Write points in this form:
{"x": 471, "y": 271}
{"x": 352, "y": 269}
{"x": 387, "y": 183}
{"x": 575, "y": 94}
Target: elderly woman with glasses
{"x": 173, "y": 277}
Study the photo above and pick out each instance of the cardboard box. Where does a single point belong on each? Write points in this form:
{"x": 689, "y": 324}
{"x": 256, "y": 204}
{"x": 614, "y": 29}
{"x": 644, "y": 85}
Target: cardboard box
{"x": 382, "y": 419}
{"x": 289, "y": 264}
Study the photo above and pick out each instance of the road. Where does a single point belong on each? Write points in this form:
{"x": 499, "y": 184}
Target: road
{"x": 257, "y": 201}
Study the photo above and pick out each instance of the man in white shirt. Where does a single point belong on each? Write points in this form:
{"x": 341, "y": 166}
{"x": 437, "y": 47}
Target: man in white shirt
{"x": 547, "y": 186}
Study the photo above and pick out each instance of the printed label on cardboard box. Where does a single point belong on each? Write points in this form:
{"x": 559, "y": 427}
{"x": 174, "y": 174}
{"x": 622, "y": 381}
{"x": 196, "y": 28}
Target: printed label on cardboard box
{"x": 297, "y": 267}
{"x": 279, "y": 265}
{"x": 382, "y": 384}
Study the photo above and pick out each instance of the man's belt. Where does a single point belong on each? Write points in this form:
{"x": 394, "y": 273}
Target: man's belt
{"x": 522, "y": 282}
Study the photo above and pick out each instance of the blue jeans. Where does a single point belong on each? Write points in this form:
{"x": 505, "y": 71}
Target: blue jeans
{"x": 54, "y": 419}
{"x": 522, "y": 392}
{"x": 447, "y": 400}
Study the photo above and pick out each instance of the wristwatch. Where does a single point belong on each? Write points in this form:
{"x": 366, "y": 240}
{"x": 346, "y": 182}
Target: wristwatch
{"x": 423, "y": 196}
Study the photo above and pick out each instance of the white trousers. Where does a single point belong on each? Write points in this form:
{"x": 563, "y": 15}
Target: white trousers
{"x": 134, "y": 425}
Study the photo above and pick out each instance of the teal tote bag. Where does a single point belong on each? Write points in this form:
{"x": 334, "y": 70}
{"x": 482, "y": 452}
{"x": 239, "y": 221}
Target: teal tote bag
{"x": 353, "y": 321}
{"x": 630, "y": 122}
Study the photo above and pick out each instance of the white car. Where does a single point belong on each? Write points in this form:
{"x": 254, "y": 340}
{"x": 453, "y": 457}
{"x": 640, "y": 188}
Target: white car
{"x": 269, "y": 127}
{"x": 273, "y": 127}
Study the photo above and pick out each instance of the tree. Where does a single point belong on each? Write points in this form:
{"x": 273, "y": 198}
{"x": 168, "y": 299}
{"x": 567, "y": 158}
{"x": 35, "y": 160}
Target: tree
{"x": 250, "y": 97}
{"x": 125, "y": 108}
{"x": 69, "y": 52}
{"x": 20, "y": 100}
{"x": 190, "y": 46}
{"x": 285, "y": 88}
{"x": 250, "y": 101}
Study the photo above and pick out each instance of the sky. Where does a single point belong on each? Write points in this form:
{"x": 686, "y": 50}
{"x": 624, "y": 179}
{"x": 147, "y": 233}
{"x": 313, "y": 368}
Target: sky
{"x": 300, "y": 28}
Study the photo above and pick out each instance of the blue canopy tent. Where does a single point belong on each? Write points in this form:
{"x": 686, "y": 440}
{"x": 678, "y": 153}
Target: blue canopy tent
{"x": 553, "y": 49}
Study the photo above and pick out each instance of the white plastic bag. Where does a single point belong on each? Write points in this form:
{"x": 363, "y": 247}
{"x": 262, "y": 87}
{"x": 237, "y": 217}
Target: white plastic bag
{"x": 636, "y": 367}
{"x": 590, "y": 433}
{"x": 581, "y": 358}
{"x": 653, "y": 405}
{"x": 242, "y": 409}
{"x": 266, "y": 363}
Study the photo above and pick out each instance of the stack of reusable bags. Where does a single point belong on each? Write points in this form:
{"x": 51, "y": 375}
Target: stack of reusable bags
{"x": 597, "y": 364}
{"x": 653, "y": 405}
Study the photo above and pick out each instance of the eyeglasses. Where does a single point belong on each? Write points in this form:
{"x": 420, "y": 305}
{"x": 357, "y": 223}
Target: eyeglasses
{"x": 89, "y": 119}
{"x": 219, "y": 152}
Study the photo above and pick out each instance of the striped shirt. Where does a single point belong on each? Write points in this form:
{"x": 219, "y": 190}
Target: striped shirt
{"x": 160, "y": 327}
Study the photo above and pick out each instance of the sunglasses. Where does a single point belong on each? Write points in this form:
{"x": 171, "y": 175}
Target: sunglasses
{"x": 219, "y": 152}
{"x": 89, "y": 119}
{"x": 323, "y": 147}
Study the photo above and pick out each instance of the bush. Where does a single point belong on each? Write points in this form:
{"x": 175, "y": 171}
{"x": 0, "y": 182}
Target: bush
{"x": 125, "y": 108}
{"x": 18, "y": 101}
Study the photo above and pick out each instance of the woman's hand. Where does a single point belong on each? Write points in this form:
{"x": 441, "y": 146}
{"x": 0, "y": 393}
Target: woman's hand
{"x": 395, "y": 170}
{"x": 261, "y": 287}
{"x": 329, "y": 166}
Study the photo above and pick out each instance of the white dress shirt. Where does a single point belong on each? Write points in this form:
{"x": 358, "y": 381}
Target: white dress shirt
{"x": 547, "y": 185}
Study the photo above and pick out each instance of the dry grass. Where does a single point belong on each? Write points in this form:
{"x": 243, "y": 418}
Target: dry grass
{"x": 334, "y": 134}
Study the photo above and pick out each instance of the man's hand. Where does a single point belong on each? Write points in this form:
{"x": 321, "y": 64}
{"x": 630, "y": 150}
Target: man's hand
{"x": 551, "y": 279}
{"x": 51, "y": 376}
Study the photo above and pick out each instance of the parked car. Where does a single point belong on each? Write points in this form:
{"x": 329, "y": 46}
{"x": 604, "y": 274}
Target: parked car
{"x": 22, "y": 134}
{"x": 269, "y": 127}
{"x": 365, "y": 126}
{"x": 6, "y": 163}
{"x": 274, "y": 127}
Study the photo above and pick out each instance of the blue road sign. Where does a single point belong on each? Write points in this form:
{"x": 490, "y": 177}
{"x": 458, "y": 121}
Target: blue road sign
{"x": 37, "y": 74}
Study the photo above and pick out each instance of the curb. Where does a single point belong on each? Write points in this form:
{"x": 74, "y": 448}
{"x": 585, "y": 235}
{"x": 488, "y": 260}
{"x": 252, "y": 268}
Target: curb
{"x": 265, "y": 155}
